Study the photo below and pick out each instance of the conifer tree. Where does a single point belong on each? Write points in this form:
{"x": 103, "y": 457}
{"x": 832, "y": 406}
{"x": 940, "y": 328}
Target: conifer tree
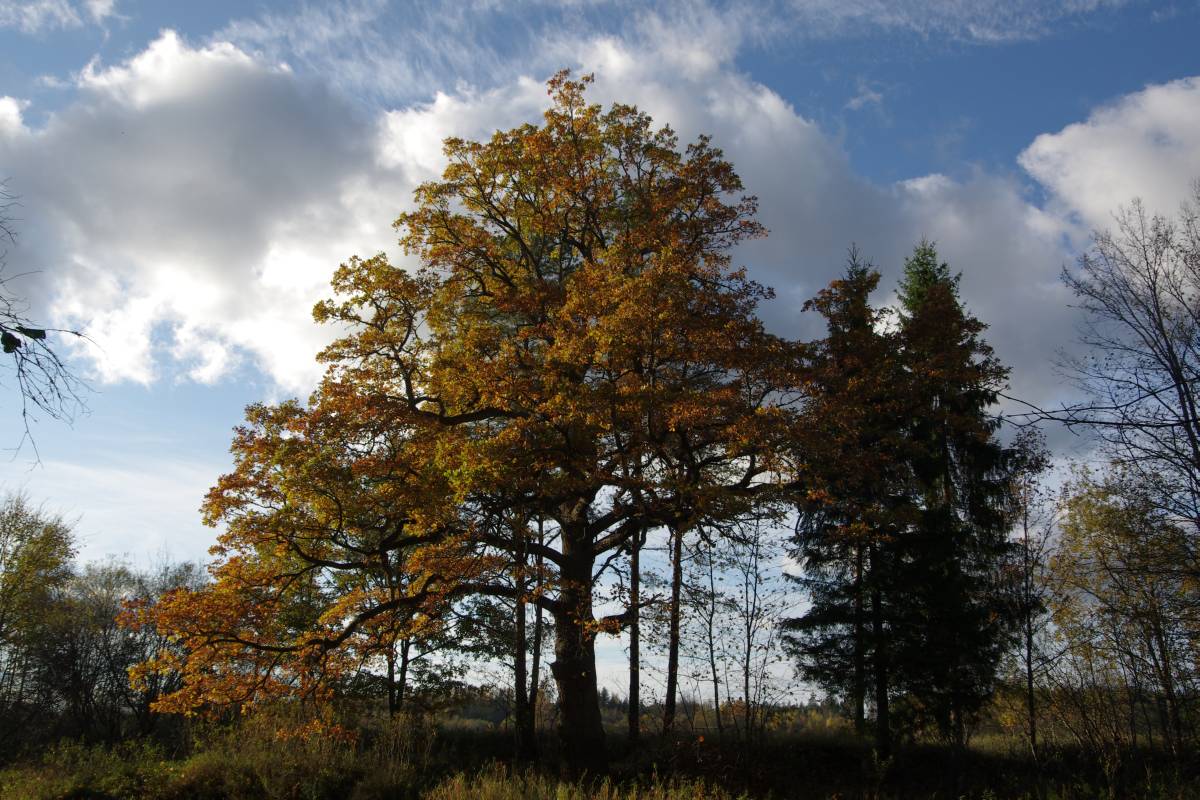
{"x": 853, "y": 501}
{"x": 956, "y": 620}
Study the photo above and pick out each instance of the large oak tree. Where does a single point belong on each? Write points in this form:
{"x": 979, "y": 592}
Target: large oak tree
{"x": 575, "y": 348}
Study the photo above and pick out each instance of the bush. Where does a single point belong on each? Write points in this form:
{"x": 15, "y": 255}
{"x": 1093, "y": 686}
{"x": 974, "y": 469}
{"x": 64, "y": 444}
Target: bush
{"x": 70, "y": 771}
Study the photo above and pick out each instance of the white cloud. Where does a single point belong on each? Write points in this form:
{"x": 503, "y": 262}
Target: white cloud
{"x": 191, "y": 204}
{"x": 397, "y": 53}
{"x": 137, "y": 510}
{"x": 35, "y": 16}
{"x": 981, "y": 21}
{"x": 404, "y": 52}
{"x": 100, "y": 10}
{"x": 11, "y": 124}
{"x": 412, "y": 137}
{"x": 168, "y": 70}
{"x": 1146, "y": 144}
{"x": 816, "y": 206}
{"x": 867, "y": 96}
{"x": 193, "y": 201}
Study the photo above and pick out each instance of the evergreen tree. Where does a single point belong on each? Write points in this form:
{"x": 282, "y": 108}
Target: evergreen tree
{"x": 956, "y": 621}
{"x": 850, "y": 448}
{"x": 905, "y": 503}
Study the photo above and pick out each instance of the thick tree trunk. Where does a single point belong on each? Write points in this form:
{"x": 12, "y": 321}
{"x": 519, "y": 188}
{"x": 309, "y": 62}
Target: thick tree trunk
{"x": 673, "y": 630}
{"x": 635, "y": 666}
{"x": 580, "y": 729}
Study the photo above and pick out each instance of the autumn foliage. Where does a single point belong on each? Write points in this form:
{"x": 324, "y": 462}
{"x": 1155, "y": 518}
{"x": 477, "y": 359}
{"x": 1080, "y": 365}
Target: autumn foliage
{"x": 574, "y": 347}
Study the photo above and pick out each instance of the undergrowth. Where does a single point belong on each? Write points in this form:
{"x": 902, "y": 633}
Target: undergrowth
{"x": 288, "y": 755}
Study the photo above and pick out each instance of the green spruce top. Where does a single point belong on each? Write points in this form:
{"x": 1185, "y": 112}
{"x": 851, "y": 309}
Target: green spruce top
{"x": 923, "y": 270}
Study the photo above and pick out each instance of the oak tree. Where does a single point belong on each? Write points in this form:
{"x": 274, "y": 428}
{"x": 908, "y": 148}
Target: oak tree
{"x": 574, "y": 347}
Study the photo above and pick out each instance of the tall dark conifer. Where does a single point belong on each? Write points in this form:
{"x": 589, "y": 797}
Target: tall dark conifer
{"x": 850, "y": 448}
{"x": 956, "y": 619}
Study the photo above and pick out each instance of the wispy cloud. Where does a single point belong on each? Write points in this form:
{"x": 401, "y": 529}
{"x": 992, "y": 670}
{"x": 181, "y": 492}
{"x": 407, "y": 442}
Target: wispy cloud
{"x": 976, "y": 21}
{"x": 385, "y": 52}
{"x": 35, "y": 16}
{"x": 139, "y": 508}
{"x": 868, "y": 95}
{"x": 392, "y": 52}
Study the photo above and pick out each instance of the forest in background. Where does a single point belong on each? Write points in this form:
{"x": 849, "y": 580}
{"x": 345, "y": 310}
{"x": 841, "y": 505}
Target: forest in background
{"x": 572, "y": 424}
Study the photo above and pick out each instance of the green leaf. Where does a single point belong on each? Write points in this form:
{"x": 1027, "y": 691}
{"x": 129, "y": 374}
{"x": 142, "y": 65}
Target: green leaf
{"x": 9, "y": 342}
{"x": 32, "y": 333}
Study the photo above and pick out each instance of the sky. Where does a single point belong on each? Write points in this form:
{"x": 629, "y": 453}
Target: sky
{"x": 190, "y": 174}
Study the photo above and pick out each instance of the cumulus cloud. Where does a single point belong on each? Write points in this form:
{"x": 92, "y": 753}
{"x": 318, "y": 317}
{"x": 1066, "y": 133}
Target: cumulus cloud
{"x": 193, "y": 201}
{"x": 810, "y": 197}
{"x": 1145, "y": 144}
{"x": 816, "y": 206}
{"x": 190, "y": 205}
{"x": 11, "y": 124}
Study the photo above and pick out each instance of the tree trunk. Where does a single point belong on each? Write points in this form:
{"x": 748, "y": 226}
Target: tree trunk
{"x": 535, "y": 670}
{"x": 712, "y": 652}
{"x": 522, "y": 718}
{"x": 402, "y": 680}
{"x": 1027, "y": 602}
{"x": 391, "y": 679}
{"x": 1030, "y": 697}
{"x": 860, "y": 665}
{"x": 673, "y": 630}
{"x": 635, "y": 667}
{"x": 883, "y": 722}
{"x": 750, "y": 614}
{"x": 580, "y": 729}
{"x": 1167, "y": 681}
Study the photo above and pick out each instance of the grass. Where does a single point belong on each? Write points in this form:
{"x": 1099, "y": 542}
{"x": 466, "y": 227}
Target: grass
{"x": 287, "y": 755}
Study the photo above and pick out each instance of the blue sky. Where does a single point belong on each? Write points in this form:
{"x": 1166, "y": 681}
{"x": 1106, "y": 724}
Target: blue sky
{"x": 191, "y": 173}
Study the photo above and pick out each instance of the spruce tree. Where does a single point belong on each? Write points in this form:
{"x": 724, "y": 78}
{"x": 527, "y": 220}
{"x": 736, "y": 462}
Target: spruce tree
{"x": 956, "y": 621}
{"x": 905, "y": 503}
{"x": 850, "y": 448}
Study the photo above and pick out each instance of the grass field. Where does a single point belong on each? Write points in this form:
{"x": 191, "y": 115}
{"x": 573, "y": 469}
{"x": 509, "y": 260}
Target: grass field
{"x": 270, "y": 757}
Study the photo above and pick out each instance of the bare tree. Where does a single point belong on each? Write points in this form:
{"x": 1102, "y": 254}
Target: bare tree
{"x": 1139, "y": 287}
{"x": 1028, "y": 567}
{"x": 44, "y": 382}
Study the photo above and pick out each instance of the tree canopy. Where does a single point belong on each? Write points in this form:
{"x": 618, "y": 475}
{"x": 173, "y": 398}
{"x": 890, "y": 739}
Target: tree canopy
{"x": 574, "y": 348}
